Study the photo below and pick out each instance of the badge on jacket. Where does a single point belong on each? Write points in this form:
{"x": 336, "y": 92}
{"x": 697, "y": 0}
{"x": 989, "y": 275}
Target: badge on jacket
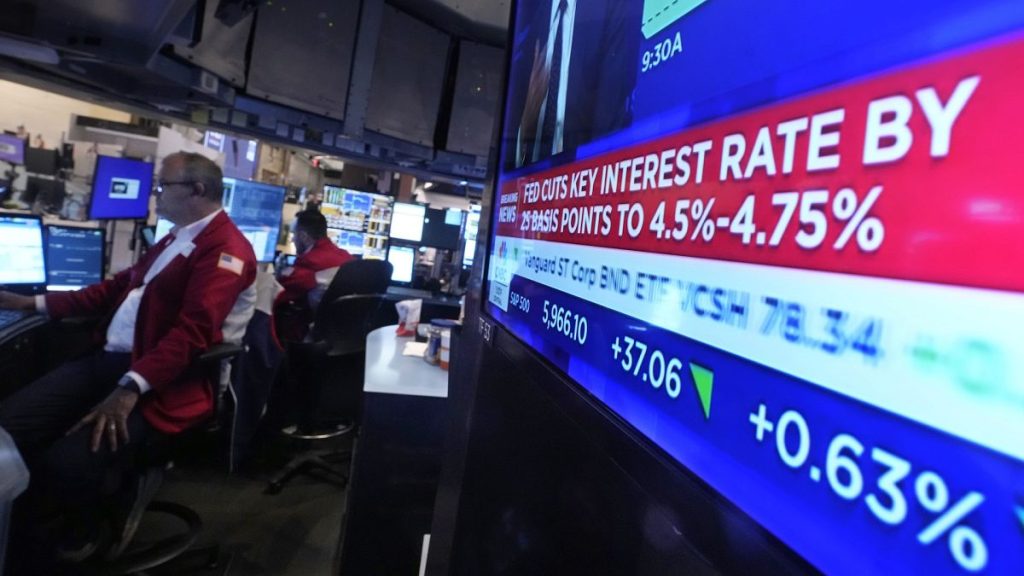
{"x": 229, "y": 262}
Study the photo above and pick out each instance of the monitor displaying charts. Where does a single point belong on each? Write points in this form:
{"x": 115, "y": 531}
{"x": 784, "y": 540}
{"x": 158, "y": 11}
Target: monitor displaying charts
{"x": 255, "y": 208}
{"x": 74, "y": 257}
{"x": 121, "y": 189}
{"x": 358, "y": 221}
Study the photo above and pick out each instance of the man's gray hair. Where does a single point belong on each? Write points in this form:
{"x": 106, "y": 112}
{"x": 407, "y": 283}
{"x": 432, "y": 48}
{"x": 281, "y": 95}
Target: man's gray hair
{"x": 200, "y": 169}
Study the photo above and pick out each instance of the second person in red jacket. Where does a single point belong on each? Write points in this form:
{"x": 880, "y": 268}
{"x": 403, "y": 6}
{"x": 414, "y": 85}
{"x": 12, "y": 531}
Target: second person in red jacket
{"x": 305, "y": 282}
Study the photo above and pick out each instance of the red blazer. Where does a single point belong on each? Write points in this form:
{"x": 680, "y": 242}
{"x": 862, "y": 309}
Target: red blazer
{"x": 180, "y": 317}
{"x": 324, "y": 255}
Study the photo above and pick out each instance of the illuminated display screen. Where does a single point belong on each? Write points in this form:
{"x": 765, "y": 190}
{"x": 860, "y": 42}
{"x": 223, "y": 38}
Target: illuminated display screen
{"x": 359, "y": 221}
{"x": 782, "y": 241}
{"x": 74, "y": 257}
{"x": 256, "y": 209}
{"x": 22, "y": 257}
{"x": 121, "y": 189}
{"x": 403, "y": 262}
{"x": 407, "y": 221}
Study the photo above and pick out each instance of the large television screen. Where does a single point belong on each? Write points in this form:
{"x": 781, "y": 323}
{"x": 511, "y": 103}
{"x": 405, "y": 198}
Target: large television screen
{"x": 255, "y": 208}
{"x": 782, "y": 240}
{"x": 120, "y": 189}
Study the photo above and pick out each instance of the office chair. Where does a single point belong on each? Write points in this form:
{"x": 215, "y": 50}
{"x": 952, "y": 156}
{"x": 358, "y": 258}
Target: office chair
{"x": 125, "y": 559}
{"x": 329, "y": 368}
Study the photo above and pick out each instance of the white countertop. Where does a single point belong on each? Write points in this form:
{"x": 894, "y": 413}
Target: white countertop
{"x": 390, "y": 372}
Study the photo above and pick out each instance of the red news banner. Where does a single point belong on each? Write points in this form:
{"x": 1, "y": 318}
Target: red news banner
{"x": 916, "y": 173}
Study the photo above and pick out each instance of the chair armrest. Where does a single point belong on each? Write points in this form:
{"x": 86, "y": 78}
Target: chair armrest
{"x": 220, "y": 352}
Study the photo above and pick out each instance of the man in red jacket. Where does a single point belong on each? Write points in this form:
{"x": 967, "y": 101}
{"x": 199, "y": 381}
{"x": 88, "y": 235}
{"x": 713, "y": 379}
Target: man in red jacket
{"x": 305, "y": 282}
{"x": 82, "y": 424}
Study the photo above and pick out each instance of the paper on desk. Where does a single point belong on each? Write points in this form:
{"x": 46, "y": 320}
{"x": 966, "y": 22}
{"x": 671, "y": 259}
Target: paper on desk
{"x": 414, "y": 349}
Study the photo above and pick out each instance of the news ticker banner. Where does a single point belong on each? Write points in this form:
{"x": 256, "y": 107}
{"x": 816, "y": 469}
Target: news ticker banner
{"x": 854, "y": 489}
{"x": 945, "y": 356}
{"x": 910, "y": 174}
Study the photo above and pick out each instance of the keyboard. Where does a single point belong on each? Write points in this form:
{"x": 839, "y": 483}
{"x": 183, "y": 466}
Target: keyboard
{"x": 10, "y": 317}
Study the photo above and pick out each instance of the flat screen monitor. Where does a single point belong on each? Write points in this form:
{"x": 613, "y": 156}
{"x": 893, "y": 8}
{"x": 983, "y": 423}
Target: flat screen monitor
{"x": 22, "y": 254}
{"x": 41, "y": 161}
{"x": 442, "y": 228}
{"x": 255, "y": 208}
{"x": 469, "y": 236}
{"x": 784, "y": 245}
{"x": 48, "y": 192}
{"x": 12, "y": 149}
{"x": 121, "y": 189}
{"x": 407, "y": 221}
{"x": 403, "y": 262}
{"x": 365, "y": 215}
{"x": 74, "y": 257}
{"x": 163, "y": 227}
{"x": 148, "y": 234}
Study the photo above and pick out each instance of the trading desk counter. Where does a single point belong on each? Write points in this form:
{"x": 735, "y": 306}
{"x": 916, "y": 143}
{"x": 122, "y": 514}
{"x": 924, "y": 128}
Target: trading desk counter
{"x": 396, "y": 460}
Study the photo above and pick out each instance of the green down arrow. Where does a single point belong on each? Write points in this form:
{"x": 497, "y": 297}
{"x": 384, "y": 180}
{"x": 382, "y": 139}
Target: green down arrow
{"x": 704, "y": 381}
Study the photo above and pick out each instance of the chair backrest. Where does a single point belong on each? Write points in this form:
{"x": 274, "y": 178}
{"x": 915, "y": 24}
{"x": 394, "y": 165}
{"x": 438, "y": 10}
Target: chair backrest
{"x": 343, "y": 317}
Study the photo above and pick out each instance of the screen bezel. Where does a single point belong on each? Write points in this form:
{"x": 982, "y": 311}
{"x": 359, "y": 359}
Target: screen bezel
{"x": 46, "y": 247}
{"x": 92, "y": 191}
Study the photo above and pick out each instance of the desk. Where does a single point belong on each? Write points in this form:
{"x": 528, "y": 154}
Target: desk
{"x": 396, "y": 460}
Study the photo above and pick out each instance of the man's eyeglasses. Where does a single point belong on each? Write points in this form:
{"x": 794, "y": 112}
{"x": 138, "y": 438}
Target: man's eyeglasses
{"x": 161, "y": 185}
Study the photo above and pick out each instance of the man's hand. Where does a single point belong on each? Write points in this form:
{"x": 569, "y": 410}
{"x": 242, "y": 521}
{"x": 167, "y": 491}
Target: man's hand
{"x": 110, "y": 418}
{"x": 14, "y": 301}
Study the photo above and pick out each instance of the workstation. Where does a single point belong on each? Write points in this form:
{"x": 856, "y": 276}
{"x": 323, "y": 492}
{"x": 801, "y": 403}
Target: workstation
{"x": 599, "y": 287}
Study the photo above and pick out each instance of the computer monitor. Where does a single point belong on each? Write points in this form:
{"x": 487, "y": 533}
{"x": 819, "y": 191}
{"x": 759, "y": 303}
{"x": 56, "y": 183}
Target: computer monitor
{"x": 48, "y": 192}
{"x": 752, "y": 253}
{"x": 469, "y": 235}
{"x": 12, "y": 149}
{"x": 365, "y": 214}
{"x": 22, "y": 256}
{"x": 148, "y": 234}
{"x": 74, "y": 257}
{"x": 442, "y": 228}
{"x": 255, "y": 208}
{"x": 121, "y": 188}
{"x": 42, "y": 161}
{"x": 407, "y": 221}
{"x": 163, "y": 227}
{"x": 403, "y": 261}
